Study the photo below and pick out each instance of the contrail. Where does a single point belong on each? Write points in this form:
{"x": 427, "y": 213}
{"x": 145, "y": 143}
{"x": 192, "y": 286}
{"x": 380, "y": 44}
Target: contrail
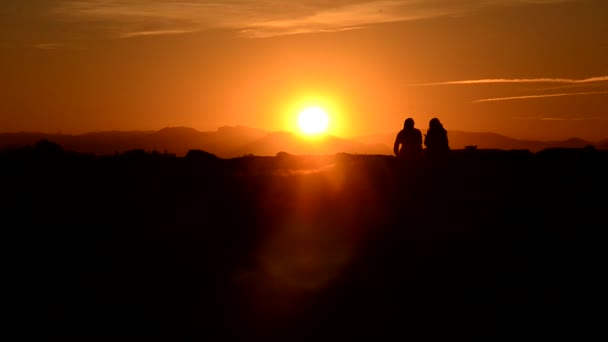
{"x": 522, "y": 80}
{"x": 538, "y": 96}
{"x": 155, "y": 33}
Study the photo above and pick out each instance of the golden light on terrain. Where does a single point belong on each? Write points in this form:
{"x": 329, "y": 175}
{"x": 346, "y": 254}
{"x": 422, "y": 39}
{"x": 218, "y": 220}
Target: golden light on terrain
{"x": 313, "y": 120}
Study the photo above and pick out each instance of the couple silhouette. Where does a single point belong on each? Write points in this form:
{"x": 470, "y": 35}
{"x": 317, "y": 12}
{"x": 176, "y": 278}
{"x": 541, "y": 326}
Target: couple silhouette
{"x": 408, "y": 144}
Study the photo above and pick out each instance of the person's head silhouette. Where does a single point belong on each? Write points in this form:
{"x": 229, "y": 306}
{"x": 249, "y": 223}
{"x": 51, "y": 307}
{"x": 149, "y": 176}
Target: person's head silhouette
{"x": 408, "y": 124}
{"x": 435, "y": 124}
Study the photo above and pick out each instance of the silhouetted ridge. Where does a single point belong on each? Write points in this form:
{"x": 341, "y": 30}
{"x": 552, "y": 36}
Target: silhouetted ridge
{"x": 46, "y": 147}
{"x": 177, "y": 130}
{"x": 293, "y": 143}
{"x": 491, "y": 242}
{"x": 489, "y": 140}
{"x": 240, "y": 131}
{"x": 572, "y": 155}
{"x": 234, "y": 141}
{"x": 200, "y": 155}
{"x": 135, "y": 154}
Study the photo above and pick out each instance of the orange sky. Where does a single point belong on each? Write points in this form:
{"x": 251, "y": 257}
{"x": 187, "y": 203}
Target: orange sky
{"x": 538, "y": 68}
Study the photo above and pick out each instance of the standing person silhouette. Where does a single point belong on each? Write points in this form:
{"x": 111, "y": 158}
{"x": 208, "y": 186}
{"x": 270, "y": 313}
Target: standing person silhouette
{"x": 410, "y": 140}
{"x": 436, "y": 140}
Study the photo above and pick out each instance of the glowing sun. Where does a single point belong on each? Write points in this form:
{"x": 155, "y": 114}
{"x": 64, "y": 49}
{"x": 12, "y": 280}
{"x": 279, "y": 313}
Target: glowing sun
{"x": 313, "y": 120}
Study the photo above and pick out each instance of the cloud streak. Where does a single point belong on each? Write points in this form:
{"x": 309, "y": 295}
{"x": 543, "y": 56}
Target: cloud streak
{"x": 538, "y": 96}
{"x": 545, "y": 118}
{"x": 264, "y": 18}
{"x": 155, "y": 33}
{"x": 48, "y": 46}
{"x": 522, "y": 80}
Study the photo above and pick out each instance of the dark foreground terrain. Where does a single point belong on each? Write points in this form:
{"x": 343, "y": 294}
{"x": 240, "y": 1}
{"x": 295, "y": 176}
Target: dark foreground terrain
{"x": 490, "y": 244}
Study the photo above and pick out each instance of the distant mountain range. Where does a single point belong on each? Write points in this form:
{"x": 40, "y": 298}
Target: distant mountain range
{"x": 489, "y": 140}
{"x": 235, "y": 141}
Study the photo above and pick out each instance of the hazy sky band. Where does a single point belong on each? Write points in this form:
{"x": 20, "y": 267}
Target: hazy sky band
{"x": 89, "y": 65}
{"x": 265, "y": 18}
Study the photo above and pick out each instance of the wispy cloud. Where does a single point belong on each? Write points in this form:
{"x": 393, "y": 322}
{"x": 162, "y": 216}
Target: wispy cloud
{"x": 538, "y": 96}
{"x": 550, "y": 118}
{"x": 568, "y": 86}
{"x": 265, "y": 18}
{"x": 524, "y": 80}
{"x": 48, "y": 46}
{"x": 154, "y": 33}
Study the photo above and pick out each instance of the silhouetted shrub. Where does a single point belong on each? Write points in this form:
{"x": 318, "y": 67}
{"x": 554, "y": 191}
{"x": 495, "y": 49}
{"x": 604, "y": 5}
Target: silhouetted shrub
{"x": 283, "y": 155}
{"x": 200, "y": 155}
{"x": 135, "y": 154}
{"x": 49, "y": 148}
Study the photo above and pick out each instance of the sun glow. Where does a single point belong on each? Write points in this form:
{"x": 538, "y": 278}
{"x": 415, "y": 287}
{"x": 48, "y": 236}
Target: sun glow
{"x": 313, "y": 120}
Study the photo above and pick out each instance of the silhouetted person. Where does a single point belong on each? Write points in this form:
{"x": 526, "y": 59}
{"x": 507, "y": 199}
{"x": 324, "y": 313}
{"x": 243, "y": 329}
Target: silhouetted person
{"x": 410, "y": 140}
{"x": 436, "y": 140}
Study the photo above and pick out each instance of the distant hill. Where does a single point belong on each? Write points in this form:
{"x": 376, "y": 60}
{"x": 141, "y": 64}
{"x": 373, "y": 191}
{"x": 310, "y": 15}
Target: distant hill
{"x": 222, "y": 142}
{"x": 235, "y": 141}
{"x": 226, "y": 142}
{"x": 488, "y": 140}
{"x": 294, "y": 144}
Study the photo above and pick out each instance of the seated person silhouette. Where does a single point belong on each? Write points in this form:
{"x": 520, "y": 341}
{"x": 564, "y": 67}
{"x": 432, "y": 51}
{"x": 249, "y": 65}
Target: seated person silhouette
{"x": 410, "y": 140}
{"x": 436, "y": 140}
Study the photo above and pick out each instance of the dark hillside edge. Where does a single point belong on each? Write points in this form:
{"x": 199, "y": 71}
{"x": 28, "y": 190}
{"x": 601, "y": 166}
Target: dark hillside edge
{"x": 489, "y": 140}
{"x": 490, "y": 244}
{"x": 237, "y": 141}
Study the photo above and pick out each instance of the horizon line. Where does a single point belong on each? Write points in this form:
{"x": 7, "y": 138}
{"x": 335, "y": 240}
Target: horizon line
{"x": 353, "y": 138}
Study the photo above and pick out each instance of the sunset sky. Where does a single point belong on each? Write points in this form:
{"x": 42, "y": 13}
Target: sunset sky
{"x": 524, "y": 68}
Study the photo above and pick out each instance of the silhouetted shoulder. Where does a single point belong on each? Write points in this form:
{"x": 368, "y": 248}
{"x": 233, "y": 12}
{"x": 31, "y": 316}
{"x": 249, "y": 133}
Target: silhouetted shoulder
{"x": 408, "y": 143}
{"x": 436, "y": 140}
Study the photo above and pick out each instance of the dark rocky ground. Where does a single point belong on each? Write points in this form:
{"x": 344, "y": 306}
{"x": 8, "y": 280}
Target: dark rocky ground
{"x": 489, "y": 244}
